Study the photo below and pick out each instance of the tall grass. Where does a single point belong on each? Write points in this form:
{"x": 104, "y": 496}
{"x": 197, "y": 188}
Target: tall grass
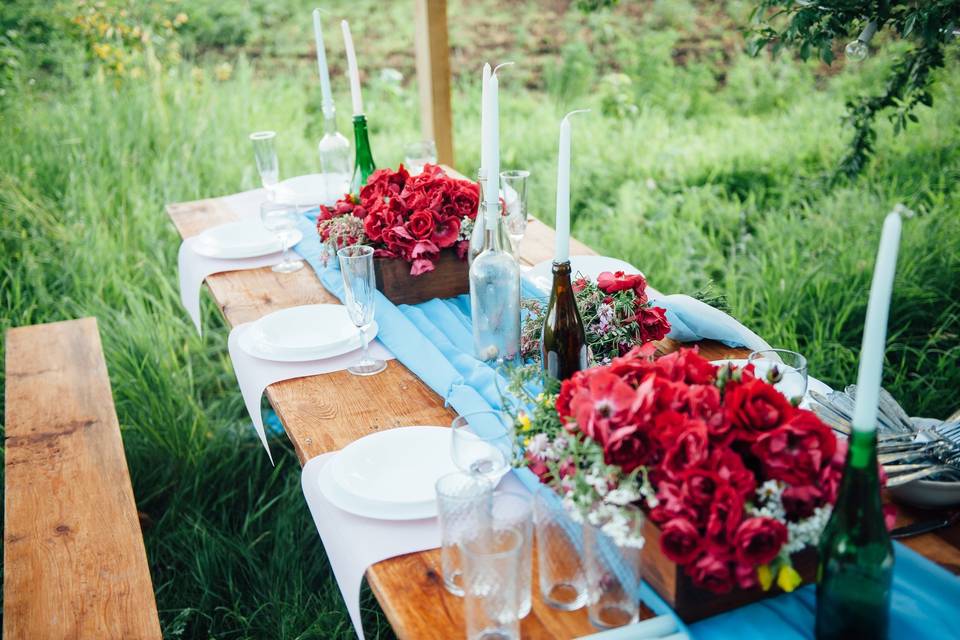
{"x": 712, "y": 177}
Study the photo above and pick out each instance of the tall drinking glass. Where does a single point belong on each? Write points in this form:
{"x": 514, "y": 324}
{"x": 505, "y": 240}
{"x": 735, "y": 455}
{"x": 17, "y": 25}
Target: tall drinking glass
{"x": 463, "y": 508}
{"x": 282, "y": 220}
{"x": 483, "y": 443}
{"x": 514, "y": 184}
{"x": 613, "y": 573}
{"x": 360, "y": 288}
{"x": 490, "y": 569}
{"x": 511, "y": 510}
{"x": 563, "y": 582}
{"x": 785, "y": 370}
{"x": 265, "y": 153}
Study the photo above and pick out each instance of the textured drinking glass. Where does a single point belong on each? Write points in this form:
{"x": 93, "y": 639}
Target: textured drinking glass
{"x": 490, "y": 563}
{"x": 563, "y": 582}
{"x": 510, "y": 510}
{"x": 483, "y": 443}
{"x": 785, "y": 370}
{"x": 613, "y": 577}
{"x": 282, "y": 220}
{"x": 514, "y": 185}
{"x": 360, "y": 288}
{"x": 463, "y": 507}
{"x": 418, "y": 154}
{"x": 265, "y": 153}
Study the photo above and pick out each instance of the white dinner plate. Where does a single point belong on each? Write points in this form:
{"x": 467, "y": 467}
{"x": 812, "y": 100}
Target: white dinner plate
{"x": 312, "y": 189}
{"x": 258, "y": 349}
{"x": 307, "y": 328}
{"x": 339, "y": 498}
{"x": 812, "y": 383}
{"x": 398, "y": 466}
{"x": 541, "y": 274}
{"x": 244, "y": 239}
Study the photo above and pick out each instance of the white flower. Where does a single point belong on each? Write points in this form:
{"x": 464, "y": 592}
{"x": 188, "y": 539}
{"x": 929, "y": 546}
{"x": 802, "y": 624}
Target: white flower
{"x": 622, "y": 496}
{"x": 539, "y": 445}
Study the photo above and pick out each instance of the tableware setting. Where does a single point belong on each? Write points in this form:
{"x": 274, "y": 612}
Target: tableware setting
{"x": 242, "y": 239}
{"x": 305, "y": 333}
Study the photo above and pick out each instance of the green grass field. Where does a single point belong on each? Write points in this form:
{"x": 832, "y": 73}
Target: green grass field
{"x": 697, "y": 164}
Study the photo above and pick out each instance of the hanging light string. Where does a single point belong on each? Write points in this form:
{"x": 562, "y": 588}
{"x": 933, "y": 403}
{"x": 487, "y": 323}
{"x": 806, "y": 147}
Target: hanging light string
{"x": 858, "y": 49}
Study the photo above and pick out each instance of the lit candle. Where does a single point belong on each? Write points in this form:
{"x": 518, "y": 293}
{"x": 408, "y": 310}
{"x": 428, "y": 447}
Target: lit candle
{"x": 875, "y": 328}
{"x": 483, "y": 118}
{"x": 327, "y": 102}
{"x": 352, "y": 70}
{"x": 561, "y": 247}
{"x": 491, "y": 163}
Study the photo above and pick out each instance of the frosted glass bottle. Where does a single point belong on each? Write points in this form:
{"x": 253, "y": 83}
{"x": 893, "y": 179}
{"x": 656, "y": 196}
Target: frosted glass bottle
{"x": 495, "y": 295}
{"x": 334, "y": 151}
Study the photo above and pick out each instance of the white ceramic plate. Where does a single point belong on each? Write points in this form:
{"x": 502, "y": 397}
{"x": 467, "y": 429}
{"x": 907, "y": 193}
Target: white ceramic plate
{"x": 541, "y": 274}
{"x": 812, "y": 383}
{"x": 397, "y": 466}
{"x": 928, "y": 494}
{"x": 307, "y": 328}
{"x": 359, "y": 507}
{"x": 248, "y": 342}
{"x": 312, "y": 189}
{"x": 244, "y": 239}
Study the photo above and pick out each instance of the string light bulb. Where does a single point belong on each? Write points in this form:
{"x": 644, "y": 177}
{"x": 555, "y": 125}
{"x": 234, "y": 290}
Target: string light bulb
{"x": 857, "y": 50}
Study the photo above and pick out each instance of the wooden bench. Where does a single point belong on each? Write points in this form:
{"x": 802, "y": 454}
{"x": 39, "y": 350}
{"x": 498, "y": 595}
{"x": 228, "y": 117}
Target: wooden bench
{"x": 73, "y": 556}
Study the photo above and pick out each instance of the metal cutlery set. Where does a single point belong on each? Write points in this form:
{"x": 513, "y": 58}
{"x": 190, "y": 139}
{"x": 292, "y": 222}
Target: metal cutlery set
{"x": 908, "y": 448}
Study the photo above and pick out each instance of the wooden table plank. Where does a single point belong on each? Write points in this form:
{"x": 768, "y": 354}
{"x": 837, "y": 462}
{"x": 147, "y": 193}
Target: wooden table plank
{"x": 73, "y": 555}
{"x": 317, "y": 420}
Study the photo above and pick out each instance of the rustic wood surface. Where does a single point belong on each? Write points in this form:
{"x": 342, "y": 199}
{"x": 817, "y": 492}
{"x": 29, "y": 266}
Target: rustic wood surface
{"x": 318, "y": 420}
{"x": 74, "y": 564}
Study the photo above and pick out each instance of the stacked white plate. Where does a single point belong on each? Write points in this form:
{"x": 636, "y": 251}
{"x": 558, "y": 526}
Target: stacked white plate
{"x": 244, "y": 239}
{"x": 389, "y": 475}
{"x": 312, "y": 189}
{"x": 300, "y": 334}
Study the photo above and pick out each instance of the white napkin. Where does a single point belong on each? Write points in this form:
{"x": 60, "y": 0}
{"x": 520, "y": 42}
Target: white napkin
{"x": 354, "y": 543}
{"x": 255, "y": 374}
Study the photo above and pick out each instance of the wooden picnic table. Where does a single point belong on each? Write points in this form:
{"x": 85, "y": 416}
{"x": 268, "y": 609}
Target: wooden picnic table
{"x": 326, "y": 412}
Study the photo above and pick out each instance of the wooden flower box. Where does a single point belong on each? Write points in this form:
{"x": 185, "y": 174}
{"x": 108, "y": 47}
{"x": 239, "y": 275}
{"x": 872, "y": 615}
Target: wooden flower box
{"x": 691, "y": 603}
{"x": 450, "y": 277}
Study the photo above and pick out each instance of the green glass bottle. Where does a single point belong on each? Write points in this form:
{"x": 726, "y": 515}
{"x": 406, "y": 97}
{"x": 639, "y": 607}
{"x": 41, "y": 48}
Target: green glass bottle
{"x": 363, "y": 165}
{"x": 563, "y": 343}
{"x": 856, "y": 556}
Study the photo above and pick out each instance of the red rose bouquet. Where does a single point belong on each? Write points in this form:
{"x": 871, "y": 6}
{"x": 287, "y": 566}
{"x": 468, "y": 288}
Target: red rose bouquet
{"x": 412, "y": 218}
{"x": 616, "y": 314}
{"x": 736, "y": 477}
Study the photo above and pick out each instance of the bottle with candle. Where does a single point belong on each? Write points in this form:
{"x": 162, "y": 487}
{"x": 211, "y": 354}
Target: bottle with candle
{"x": 495, "y": 296}
{"x": 363, "y": 164}
{"x": 334, "y": 148}
{"x": 480, "y": 225}
{"x": 563, "y": 343}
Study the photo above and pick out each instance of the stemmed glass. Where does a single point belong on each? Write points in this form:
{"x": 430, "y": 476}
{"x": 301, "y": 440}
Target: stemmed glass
{"x": 514, "y": 185}
{"x": 419, "y": 154}
{"x": 265, "y": 153}
{"x": 282, "y": 220}
{"x": 786, "y": 370}
{"x": 483, "y": 443}
{"x": 360, "y": 287}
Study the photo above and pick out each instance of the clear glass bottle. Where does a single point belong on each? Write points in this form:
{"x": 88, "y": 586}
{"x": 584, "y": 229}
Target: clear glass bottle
{"x": 495, "y": 295}
{"x": 480, "y": 224}
{"x": 363, "y": 164}
{"x": 334, "y": 151}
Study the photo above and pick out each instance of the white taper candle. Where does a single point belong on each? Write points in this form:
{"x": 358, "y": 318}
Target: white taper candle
{"x": 484, "y": 124}
{"x": 561, "y": 247}
{"x": 352, "y": 70}
{"x": 327, "y": 95}
{"x": 870, "y": 373}
{"x": 492, "y": 163}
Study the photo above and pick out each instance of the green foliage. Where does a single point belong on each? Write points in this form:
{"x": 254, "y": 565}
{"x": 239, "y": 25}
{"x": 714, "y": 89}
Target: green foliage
{"x": 816, "y": 27}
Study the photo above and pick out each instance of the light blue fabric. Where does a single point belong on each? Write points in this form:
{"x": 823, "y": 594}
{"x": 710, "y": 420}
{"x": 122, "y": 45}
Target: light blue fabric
{"x": 434, "y": 340}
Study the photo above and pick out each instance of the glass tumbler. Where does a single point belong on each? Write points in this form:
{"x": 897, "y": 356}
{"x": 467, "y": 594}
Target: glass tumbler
{"x": 483, "y": 443}
{"x": 511, "y": 510}
{"x": 613, "y": 576}
{"x": 265, "y": 153}
{"x": 786, "y": 370}
{"x": 360, "y": 295}
{"x": 463, "y": 507}
{"x": 563, "y": 582}
{"x": 490, "y": 574}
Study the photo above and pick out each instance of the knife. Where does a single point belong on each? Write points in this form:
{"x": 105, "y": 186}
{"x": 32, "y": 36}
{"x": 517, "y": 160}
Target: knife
{"x": 925, "y": 526}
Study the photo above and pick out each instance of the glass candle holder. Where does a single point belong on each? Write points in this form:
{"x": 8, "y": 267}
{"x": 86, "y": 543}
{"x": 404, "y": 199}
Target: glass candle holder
{"x": 613, "y": 570}
{"x": 563, "y": 581}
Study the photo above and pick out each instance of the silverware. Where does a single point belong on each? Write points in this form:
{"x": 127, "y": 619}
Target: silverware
{"x": 925, "y": 526}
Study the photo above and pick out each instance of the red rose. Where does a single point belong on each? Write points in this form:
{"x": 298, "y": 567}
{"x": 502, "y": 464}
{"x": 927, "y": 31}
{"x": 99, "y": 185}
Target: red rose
{"x": 538, "y": 467}
{"x": 726, "y": 512}
{"x": 729, "y": 468}
{"x": 831, "y": 474}
{"x": 447, "y": 229}
{"x": 421, "y": 224}
{"x": 680, "y": 540}
{"x": 421, "y": 265}
{"x": 627, "y": 447}
{"x": 619, "y": 281}
{"x": 651, "y": 323}
{"x": 671, "y": 504}
{"x": 711, "y": 572}
{"x": 758, "y": 540}
{"x": 699, "y": 486}
{"x": 605, "y": 403}
{"x": 465, "y": 196}
{"x": 580, "y": 284}
{"x": 383, "y": 183}
{"x": 399, "y": 240}
{"x": 688, "y": 447}
{"x": 800, "y": 501}
{"x": 424, "y": 249}
{"x": 635, "y": 364}
{"x": 746, "y": 576}
{"x": 755, "y": 407}
{"x": 687, "y": 365}
{"x": 463, "y": 247}
{"x": 796, "y": 451}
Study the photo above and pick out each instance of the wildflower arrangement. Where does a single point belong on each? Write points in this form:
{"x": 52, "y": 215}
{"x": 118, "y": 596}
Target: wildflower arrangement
{"x": 412, "y": 218}
{"x": 735, "y": 476}
{"x": 616, "y": 315}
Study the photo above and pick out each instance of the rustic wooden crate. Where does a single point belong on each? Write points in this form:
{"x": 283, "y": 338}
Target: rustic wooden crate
{"x": 691, "y": 603}
{"x": 450, "y": 277}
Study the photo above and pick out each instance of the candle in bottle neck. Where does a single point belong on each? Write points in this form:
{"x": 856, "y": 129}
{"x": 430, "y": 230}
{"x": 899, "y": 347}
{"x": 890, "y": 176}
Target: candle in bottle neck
{"x": 561, "y": 250}
{"x": 491, "y": 163}
{"x": 875, "y": 329}
{"x": 327, "y": 95}
{"x": 484, "y": 124}
{"x": 352, "y": 70}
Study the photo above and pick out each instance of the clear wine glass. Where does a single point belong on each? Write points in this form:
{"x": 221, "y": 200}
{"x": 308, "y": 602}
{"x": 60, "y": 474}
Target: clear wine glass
{"x": 265, "y": 153}
{"x": 514, "y": 185}
{"x": 360, "y": 287}
{"x": 483, "y": 443}
{"x": 786, "y": 370}
{"x": 282, "y": 220}
{"x": 419, "y": 154}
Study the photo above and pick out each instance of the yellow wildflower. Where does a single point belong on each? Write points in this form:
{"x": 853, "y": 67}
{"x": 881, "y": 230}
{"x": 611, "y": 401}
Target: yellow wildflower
{"x": 788, "y": 579}
{"x": 101, "y": 49}
{"x": 765, "y": 576}
{"x": 526, "y": 442}
{"x": 524, "y": 421}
